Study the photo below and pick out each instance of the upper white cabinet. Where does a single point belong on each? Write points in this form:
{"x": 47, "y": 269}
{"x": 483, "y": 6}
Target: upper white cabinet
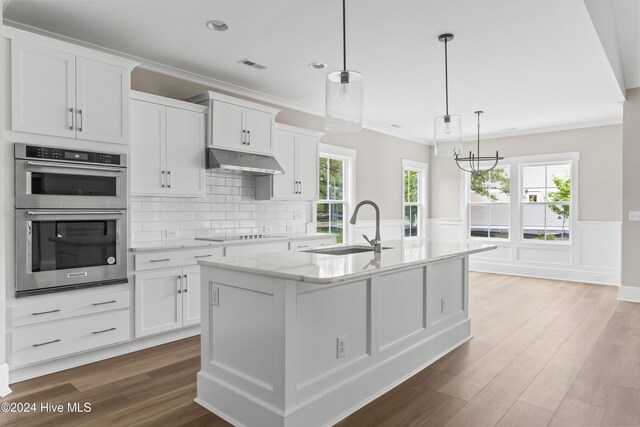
{"x": 167, "y": 146}
{"x": 296, "y": 150}
{"x": 238, "y": 125}
{"x": 60, "y": 89}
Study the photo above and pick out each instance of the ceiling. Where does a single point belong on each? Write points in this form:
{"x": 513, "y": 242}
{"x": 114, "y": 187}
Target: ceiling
{"x": 531, "y": 65}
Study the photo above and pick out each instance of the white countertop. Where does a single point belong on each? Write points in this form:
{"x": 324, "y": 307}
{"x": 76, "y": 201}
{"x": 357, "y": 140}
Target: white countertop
{"x": 325, "y": 269}
{"x": 153, "y": 246}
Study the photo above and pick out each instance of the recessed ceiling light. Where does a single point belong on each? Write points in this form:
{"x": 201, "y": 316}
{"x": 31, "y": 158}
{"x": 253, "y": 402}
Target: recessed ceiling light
{"x": 217, "y": 25}
{"x": 396, "y": 126}
{"x": 317, "y": 65}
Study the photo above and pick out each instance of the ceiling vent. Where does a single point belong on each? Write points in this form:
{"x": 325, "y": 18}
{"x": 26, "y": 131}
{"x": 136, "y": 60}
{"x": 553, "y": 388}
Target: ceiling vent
{"x": 252, "y": 64}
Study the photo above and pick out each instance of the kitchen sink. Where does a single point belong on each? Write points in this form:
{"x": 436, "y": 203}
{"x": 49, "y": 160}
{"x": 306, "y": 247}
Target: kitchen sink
{"x": 343, "y": 250}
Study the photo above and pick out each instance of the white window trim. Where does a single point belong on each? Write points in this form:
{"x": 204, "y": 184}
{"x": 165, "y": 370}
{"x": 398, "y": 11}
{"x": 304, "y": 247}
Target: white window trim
{"x": 423, "y": 168}
{"x": 515, "y": 225}
{"x": 349, "y": 157}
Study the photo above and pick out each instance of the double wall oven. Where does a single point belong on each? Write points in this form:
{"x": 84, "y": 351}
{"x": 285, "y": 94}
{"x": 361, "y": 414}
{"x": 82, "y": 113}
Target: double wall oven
{"x": 71, "y": 219}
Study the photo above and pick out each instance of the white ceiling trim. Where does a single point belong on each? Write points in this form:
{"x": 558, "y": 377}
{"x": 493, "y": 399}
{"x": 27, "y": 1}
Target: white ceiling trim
{"x": 198, "y": 78}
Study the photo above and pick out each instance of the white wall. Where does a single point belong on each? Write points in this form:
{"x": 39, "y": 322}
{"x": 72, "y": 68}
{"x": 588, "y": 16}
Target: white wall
{"x": 595, "y": 255}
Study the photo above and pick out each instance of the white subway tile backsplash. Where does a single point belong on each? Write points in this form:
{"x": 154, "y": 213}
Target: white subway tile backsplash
{"x": 228, "y": 208}
{"x": 146, "y": 216}
{"x": 210, "y": 215}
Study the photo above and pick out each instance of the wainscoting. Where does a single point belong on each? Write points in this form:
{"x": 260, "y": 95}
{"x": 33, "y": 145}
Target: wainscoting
{"x": 594, "y": 256}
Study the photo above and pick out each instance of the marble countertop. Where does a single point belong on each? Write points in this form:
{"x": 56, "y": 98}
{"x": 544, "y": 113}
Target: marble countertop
{"x": 153, "y": 246}
{"x": 326, "y": 269}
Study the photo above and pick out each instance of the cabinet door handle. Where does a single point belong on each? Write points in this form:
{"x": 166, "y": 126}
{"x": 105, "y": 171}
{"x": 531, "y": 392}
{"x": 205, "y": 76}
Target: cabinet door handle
{"x": 80, "y": 120}
{"x": 244, "y": 137}
{"x": 299, "y": 187}
{"x": 169, "y": 177}
{"x": 202, "y": 256}
{"x": 103, "y": 331}
{"x": 186, "y": 284}
{"x": 162, "y": 178}
{"x": 46, "y": 343}
{"x": 57, "y": 310}
{"x": 161, "y": 260}
{"x": 103, "y": 303}
{"x": 249, "y": 135}
{"x": 71, "y": 111}
{"x": 179, "y": 284}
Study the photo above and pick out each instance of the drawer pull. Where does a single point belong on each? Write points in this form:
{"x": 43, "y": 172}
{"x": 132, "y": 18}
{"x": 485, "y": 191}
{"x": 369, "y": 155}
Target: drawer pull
{"x": 46, "y": 343}
{"x": 103, "y": 303}
{"x": 46, "y": 312}
{"x": 103, "y": 331}
{"x": 161, "y": 260}
{"x": 303, "y": 246}
{"x": 202, "y": 256}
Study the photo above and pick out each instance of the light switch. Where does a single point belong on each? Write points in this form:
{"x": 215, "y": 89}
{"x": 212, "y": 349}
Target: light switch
{"x": 634, "y": 215}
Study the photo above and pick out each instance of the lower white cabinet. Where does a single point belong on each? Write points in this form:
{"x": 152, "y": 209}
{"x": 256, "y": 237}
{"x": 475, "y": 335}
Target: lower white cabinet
{"x": 50, "y": 340}
{"x": 167, "y": 299}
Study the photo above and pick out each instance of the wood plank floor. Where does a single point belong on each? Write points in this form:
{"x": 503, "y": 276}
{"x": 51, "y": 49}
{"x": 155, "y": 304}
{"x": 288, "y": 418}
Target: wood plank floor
{"x": 544, "y": 353}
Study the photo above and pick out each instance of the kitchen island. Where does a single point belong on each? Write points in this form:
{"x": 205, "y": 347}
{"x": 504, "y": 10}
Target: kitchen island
{"x": 305, "y": 339}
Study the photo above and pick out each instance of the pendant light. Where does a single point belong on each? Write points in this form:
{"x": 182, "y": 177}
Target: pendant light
{"x": 447, "y": 129}
{"x": 475, "y": 162}
{"x": 344, "y": 93}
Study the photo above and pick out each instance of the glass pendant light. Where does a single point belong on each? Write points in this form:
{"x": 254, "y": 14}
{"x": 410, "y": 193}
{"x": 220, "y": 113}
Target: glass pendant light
{"x": 475, "y": 163}
{"x": 447, "y": 129}
{"x": 344, "y": 93}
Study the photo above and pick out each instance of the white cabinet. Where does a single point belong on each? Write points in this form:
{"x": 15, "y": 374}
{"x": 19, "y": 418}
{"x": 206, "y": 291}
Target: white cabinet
{"x": 167, "y": 146}
{"x": 167, "y": 289}
{"x": 158, "y": 301}
{"x": 64, "y": 90}
{"x": 191, "y": 296}
{"x": 296, "y": 150}
{"x": 238, "y": 125}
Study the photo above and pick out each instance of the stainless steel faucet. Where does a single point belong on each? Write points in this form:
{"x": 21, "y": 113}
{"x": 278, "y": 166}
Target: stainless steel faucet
{"x": 373, "y": 242}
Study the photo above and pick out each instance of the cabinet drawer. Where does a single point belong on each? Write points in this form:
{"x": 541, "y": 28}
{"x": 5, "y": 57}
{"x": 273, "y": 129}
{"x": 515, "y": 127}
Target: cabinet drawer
{"x": 303, "y": 245}
{"x": 191, "y": 257}
{"x": 152, "y": 261}
{"x": 47, "y": 341}
{"x": 70, "y": 306}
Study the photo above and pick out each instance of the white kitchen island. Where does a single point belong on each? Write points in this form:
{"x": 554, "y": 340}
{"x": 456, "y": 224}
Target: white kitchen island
{"x": 304, "y": 339}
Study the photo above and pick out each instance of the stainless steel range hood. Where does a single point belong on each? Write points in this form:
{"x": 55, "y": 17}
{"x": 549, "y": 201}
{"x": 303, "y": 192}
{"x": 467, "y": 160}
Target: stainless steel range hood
{"x": 244, "y": 162}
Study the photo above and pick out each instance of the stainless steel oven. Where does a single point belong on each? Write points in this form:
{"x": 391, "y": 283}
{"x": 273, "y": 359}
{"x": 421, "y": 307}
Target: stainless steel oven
{"x": 48, "y": 177}
{"x": 71, "y": 219}
{"x": 67, "y": 249}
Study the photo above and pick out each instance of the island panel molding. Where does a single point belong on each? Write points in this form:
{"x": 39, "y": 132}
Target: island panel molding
{"x": 275, "y": 328}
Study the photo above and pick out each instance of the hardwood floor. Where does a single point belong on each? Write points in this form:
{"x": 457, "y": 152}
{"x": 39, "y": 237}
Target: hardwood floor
{"x": 543, "y": 353}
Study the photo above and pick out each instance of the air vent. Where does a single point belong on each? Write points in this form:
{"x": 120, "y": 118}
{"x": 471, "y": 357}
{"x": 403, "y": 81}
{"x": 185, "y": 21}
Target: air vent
{"x": 252, "y": 64}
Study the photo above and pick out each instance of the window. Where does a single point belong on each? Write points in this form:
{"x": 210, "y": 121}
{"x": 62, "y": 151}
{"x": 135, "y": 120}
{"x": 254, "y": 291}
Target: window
{"x": 336, "y": 191}
{"x": 414, "y": 198}
{"x": 546, "y": 202}
{"x": 331, "y": 203}
{"x": 489, "y": 203}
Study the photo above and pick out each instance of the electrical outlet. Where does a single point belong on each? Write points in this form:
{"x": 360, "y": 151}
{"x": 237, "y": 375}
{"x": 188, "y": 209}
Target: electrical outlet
{"x": 443, "y": 305}
{"x": 634, "y": 215}
{"x": 215, "y": 294}
{"x": 172, "y": 234}
{"x": 341, "y": 347}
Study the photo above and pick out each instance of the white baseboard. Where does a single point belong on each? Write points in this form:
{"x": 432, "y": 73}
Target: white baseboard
{"x": 546, "y": 272}
{"x": 629, "y": 293}
{"x": 4, "y": 380}
{"x": 72, "y": 361}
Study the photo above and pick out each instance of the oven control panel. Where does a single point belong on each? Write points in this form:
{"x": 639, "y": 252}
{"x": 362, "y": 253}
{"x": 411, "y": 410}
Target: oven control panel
{"x": 51, "y": 153}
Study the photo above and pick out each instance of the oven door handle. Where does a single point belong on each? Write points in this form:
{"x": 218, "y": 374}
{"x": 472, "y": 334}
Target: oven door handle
{"x": 61, "y": 212}
{"x": 72, "y": 166}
